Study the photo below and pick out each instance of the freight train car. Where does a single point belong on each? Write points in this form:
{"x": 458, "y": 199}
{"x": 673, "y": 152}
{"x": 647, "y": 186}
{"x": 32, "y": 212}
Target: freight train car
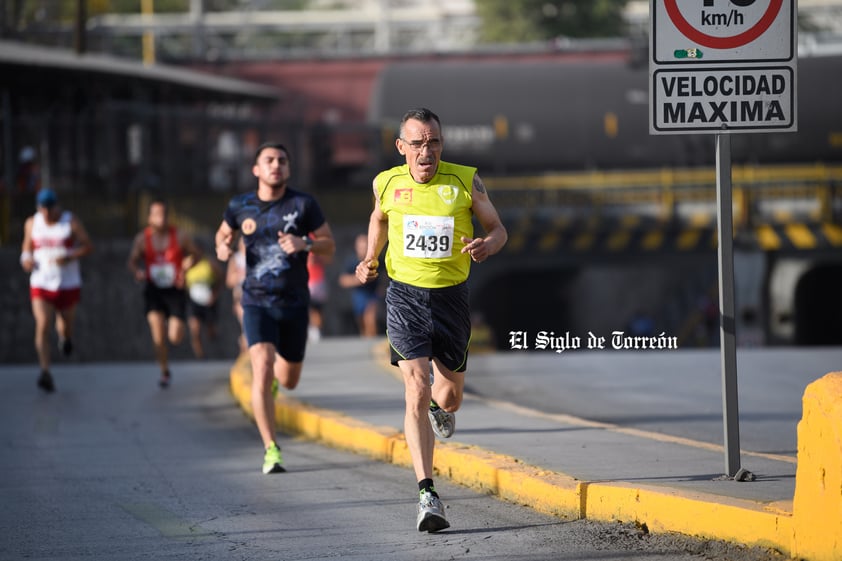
{"x": 577, "y": 122}
{"x": 513, "y": 117}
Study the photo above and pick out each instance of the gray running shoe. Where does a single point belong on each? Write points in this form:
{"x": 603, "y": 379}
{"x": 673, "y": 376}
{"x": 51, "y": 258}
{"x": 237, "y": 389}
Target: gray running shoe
{"x": 431, "y": 514}
{"x": 444, "y": 423}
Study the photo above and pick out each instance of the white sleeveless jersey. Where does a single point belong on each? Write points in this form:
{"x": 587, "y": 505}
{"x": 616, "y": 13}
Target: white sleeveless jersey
{"x": 51, "y": 241}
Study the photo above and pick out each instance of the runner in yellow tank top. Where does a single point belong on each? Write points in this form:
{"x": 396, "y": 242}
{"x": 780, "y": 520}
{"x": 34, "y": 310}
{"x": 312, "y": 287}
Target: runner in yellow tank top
{"x": 429, "y": 221}
{"x": 424, "y": 210}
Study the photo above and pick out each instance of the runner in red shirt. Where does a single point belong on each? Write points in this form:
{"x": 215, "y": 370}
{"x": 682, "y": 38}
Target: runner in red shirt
{"x": 158, "y": 257}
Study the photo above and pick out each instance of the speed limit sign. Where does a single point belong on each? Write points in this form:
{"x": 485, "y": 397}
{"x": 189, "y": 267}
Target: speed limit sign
{"x": 711, "y": 31}
{"x": 722, "y": 66}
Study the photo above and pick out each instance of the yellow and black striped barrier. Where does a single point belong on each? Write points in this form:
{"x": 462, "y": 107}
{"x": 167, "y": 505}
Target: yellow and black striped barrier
{"x": 776, "y": 208}
{"x": 622, "y": 236}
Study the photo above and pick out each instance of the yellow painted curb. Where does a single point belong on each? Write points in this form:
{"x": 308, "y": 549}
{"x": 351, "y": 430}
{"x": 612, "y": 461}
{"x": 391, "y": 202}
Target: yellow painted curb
{"x": 510, "y": 479}
{"x": 557, "y": 494}
{"x": 325, "y": 426}
{"x": 685, "y": 512}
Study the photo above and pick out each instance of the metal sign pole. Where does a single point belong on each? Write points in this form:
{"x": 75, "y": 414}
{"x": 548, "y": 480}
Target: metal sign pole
{"x": 727, "y": 322}
{"x": 690, "y": 72}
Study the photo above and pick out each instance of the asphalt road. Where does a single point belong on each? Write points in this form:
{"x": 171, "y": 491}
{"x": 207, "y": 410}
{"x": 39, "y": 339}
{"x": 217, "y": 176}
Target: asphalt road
{"x": 111, "y": 467}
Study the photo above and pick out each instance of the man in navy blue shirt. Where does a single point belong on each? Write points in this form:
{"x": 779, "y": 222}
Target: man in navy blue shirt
{"x": 279, "y": 226}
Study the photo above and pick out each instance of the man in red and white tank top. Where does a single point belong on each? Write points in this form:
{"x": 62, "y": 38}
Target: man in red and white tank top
{"x": 160, "y": 254}
{"x": 53, "y": 242}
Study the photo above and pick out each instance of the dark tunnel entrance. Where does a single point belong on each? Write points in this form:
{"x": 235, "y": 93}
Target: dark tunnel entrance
{"x": 636, "y": 298}
{"x": 528, "y": 301}
{"x": 818, "y": 306}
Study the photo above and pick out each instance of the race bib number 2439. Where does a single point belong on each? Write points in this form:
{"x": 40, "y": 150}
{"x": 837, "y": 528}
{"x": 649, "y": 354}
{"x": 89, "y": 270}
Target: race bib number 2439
{"x": 427, "y": 236}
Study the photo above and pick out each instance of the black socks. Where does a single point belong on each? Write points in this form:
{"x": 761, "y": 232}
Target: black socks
{"x": 427, "y": 485}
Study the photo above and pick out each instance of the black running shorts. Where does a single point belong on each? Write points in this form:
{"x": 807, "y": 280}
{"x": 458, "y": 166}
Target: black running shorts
{"x": 429, "y": 323}
{"x": 172, "y": 302}
{"x": 284, "y": 327}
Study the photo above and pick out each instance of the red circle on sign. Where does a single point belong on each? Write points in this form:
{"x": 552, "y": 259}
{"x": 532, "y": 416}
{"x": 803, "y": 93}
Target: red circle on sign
{"x": 723, "y": 42}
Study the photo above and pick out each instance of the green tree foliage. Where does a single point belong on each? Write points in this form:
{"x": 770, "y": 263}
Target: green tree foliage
{"x": 522, "y": 21}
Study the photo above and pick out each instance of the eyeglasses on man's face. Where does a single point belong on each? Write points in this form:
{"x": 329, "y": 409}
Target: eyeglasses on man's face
{"x": 433, "y": 144}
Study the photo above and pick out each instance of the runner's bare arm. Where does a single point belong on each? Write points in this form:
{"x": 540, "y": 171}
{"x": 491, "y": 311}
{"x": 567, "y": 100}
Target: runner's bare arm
{"x": 26, "y": 248}
{"x": 495, "y": 237}
{"x": 378, "y": 227}
{"x": 323, "y": 243}
{"x": 224, "y": 241}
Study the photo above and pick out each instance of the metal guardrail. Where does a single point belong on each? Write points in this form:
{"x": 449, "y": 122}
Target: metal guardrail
{"x": 761, "y": 194}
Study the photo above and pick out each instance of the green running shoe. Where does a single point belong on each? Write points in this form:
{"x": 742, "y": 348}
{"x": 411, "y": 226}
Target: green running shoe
{"x": 272, "y": 460}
